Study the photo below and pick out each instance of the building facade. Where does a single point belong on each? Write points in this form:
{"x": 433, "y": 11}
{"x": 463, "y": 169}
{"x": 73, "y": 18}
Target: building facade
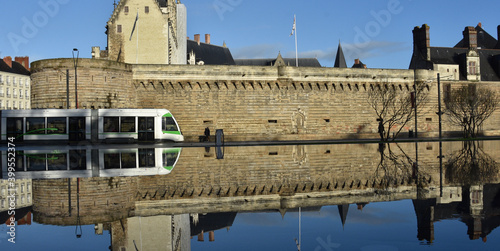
{"x": 146, "y": 32}
{"x": 15, "y": 83}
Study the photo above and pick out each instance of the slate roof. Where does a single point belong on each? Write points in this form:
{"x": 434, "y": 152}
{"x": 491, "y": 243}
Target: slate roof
{"x": 303, "y": 62}
{"x": 162, "y": 3}
{"x": 340, "y": 58}
{"x": 484, "y": 40}
{"x": 489, "y": 61}
{"x": 210, "y": 54}
{"x": 17, "y": 68}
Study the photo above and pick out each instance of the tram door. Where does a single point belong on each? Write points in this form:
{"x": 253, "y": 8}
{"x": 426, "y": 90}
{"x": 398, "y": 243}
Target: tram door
{"x": 146, "y": 128}
{"x": 15, "y": 128}
{"x": 77, "y": 128}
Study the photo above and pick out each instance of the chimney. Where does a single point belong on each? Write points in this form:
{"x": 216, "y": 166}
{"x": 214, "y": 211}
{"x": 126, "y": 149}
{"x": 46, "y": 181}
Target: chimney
{"x": 8, "y": 61}
{"x": 498, "y": 36}
{"x": 211, "y": 236}
{"x": 207, "y": 38}
{"x": 24, "y": 61}
{"x": 480, "y": 25}
{"x": 197, "y": 38}
{"x": 356, "y": 61}
{"x": 421, "y": 41}
{"x": 200, "y": 237}
{"x": 470, "y": 37}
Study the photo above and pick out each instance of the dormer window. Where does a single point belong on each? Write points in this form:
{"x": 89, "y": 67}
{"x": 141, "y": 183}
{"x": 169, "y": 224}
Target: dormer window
{"x": 472, "y": 68}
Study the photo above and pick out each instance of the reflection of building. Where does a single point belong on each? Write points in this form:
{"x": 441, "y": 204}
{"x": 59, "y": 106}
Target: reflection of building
{"x": 22, "y": 191}
{"x": 478, "y": 208}
{"x": 162, "y": 232}
{"x": 15, "y": 83}
{"x": 209, "y": 223}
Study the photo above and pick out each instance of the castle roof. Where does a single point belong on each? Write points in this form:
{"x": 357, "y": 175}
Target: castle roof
{"x": 340, "y": 58}
{"x": 303, "y": 62}
{"x": 484, "y": 40}
{"x": 210, "y": 54}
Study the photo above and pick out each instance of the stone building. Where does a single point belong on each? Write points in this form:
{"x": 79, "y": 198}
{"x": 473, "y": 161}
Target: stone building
{"x": 146, "y": 32}
{"x": 475, "y": 58}
{"x": 257, "y": 99}
{"x": 15, "y": 82}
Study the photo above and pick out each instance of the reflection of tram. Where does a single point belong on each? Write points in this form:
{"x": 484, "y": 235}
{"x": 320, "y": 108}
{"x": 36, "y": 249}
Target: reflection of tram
{"x": 76, "y": 162}
{"x": 89, "y": 125}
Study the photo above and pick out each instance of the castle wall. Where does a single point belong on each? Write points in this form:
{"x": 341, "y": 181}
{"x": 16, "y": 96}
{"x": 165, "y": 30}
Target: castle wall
{"x": 248, "y": 102}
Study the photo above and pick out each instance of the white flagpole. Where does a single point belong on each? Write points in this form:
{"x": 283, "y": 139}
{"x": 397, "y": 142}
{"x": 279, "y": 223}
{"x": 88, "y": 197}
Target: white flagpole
{"x": 296, "y": 49}
{"x": 137, "y": 49}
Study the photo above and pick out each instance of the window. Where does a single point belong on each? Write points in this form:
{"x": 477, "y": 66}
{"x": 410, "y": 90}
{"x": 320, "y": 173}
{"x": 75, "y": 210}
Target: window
{"x": 1, "y": 79}
{"x": 27, "y": 94}
{"x": 14, "y": 81}
{"x": 126, "y": 10}
{"x": 56, "y": 123}
{"x": 111, "y": 124}
{"x": 1, "y": 104}
{"x": 168, "y": 124}
{"x": 127, "y": 124}
{"x": 8, "y": 92}
{"x": 472, "y": 68}
{"x": 20, "y": 93}
{"x": 146, "y": 9}
{"x": 14, "y": 104}
{"x": 8, "y": 80}
{"x": 1, "y": 92}
{"x": 119, "y": 28}
{"x": 35, "y": 125}
{"x": 14, "y": 91}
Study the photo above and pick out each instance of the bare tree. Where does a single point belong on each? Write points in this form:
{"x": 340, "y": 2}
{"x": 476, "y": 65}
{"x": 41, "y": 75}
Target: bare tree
{"x": 469, "y": 106}
{"x": 394, "y": 106}
{"x": 471, "y": 166}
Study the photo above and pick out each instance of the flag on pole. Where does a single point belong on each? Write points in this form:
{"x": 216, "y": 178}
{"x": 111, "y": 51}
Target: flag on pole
{"x": 135, "y": 23}
{"x": 294, "y": 26}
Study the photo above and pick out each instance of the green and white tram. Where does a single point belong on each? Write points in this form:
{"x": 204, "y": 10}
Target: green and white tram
{"x": 101, "y": 125}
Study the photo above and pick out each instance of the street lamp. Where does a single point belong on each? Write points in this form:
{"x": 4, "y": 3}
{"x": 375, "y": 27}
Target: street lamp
{"x": 75, "y": 63}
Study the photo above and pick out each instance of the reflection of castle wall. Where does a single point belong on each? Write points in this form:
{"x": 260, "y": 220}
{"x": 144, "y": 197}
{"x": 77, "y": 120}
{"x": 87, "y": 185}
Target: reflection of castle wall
{"x": 267, "y": 174}
{"x": 100, "y": 200}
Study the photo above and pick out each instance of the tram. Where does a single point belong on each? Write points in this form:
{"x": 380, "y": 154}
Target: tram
{"x": 81, "y": 162}
{"x": 99, "y": 125}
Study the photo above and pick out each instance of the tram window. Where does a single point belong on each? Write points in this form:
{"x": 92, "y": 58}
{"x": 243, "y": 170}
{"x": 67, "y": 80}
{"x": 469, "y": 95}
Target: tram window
{"x": 14, "y": 125}
{"x": 168, "y": 124}
{"x": 77, "y": 160}
{"x": 36, "y": 162}
{"x": 128, "y": 160}
{"x": 57, "y": 123}
{"x": 169, "y": 158}
{"x": 57, "y": 161}
{"x": 35, "y": 125}
{"x": 112, "y": 161}
{"x": 146, "y": 157}
{"x": 128, "y": 124}
{"x": 111, "y": 124}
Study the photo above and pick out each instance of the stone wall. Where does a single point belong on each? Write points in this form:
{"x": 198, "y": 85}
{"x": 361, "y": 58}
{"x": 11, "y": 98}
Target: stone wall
{"x": 248, "y": 102}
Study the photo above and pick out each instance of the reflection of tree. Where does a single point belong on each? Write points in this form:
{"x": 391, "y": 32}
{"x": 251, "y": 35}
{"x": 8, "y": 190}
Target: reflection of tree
{"x": 394, "y": 168}
{"x": 471, "y": 166}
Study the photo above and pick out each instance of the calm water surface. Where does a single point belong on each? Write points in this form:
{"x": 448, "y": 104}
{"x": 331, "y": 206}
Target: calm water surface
{"x": 322, "y": 197}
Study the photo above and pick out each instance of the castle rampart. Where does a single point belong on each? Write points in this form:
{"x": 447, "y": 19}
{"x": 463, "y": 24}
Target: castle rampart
{"x": 248, "y": 102}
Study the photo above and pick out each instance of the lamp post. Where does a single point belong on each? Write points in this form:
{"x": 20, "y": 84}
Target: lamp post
{"x": 75, "y": 63}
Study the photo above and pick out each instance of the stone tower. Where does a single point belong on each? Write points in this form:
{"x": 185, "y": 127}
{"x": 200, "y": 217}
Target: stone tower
{"x": 147, "y": 32}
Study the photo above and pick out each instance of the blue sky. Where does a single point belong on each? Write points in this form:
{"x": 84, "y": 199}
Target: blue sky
{"x": 377, "y": 32}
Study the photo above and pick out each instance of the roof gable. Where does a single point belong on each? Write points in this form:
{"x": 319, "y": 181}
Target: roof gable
{"x": 484, "y": 40}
